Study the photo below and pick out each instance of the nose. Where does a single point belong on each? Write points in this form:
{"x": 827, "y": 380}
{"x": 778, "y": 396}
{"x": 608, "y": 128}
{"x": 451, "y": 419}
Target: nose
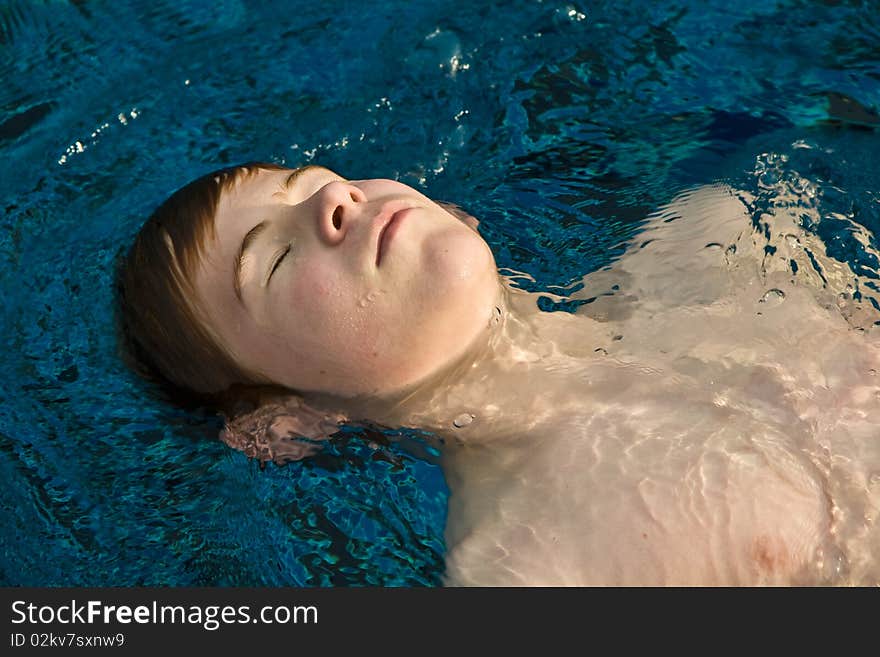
{"x": 337, "y": 208}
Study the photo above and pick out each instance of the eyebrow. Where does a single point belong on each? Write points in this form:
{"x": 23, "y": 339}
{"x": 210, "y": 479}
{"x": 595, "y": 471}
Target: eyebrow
{"x": 251, "y": 237}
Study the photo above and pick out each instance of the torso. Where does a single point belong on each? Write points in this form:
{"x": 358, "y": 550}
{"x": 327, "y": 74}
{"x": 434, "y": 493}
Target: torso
{"x": 712, "y": 434}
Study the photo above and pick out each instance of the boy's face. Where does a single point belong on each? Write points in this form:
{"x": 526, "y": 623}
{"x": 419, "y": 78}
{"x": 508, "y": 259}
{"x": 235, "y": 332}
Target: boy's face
{"x": 346, "y": 287}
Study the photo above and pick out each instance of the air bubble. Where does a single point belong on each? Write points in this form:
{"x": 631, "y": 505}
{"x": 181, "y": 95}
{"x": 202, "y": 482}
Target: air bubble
{"x": 462, "y": 420}
{"x": 773, "y": 296}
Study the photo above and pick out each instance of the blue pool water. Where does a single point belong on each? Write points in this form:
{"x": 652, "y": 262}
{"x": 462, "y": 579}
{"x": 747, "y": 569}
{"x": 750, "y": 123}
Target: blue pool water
{"x": 559, "y": 124}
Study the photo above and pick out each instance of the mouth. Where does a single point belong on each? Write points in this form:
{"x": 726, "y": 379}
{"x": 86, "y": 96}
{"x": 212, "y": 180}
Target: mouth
{"x": 387, "y": 233}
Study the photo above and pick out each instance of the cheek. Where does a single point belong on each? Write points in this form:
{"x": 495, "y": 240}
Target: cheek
{"x": 328, "y": 310}
{"x": 314, "y": 283}
{"x": 317, "y": 293}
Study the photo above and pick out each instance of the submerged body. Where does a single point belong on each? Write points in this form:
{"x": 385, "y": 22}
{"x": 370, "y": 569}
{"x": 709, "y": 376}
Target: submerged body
{"x": 682, "y": 469}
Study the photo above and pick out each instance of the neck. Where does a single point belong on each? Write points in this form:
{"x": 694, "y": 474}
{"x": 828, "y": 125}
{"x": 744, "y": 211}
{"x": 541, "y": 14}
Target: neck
{"x": 497, "y": 387}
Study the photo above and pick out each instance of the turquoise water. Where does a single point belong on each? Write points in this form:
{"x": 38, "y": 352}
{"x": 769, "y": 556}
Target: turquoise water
{"x": 560, "y": 125}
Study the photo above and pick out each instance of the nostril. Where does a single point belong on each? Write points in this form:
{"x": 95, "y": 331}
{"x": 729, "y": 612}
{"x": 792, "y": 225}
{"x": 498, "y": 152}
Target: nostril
{"x": 353, "y": 197}
{"x": 337, "y": 218}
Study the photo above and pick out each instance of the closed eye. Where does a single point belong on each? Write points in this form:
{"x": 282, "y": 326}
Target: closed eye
{"x": 277, "y": 262}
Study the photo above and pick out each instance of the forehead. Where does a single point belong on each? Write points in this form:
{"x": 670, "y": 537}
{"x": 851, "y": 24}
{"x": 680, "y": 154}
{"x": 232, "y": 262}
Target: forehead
{"x": 249, "y": 194}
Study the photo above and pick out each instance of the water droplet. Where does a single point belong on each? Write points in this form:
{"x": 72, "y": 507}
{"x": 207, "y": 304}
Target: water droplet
{"x": 462, "y": 420}
{"x": 773, "y": 296}
{"x": 768, "y": 179}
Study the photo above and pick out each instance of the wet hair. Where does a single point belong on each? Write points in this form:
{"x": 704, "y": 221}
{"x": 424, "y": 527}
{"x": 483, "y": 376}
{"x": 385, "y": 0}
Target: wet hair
{"x": 162, "y": 334}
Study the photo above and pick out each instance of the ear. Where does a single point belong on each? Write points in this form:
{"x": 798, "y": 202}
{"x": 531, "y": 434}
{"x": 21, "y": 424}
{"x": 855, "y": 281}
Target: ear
{"x": 457, "y": 212}
{"x": 279, "y": 429}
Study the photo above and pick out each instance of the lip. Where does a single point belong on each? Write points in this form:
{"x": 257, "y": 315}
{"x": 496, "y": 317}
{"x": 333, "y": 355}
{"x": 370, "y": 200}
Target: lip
{"x": 387, "y": 233}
